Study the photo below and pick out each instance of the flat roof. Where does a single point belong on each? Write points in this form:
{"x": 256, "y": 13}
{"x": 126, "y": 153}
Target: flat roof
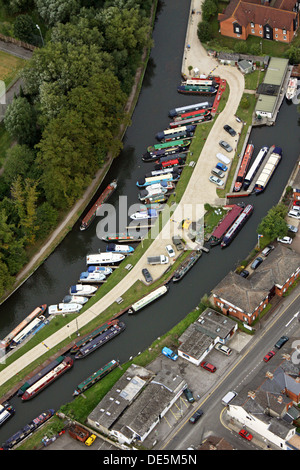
{"x": 266, "y": 103}
{"x": 276, "y": 71}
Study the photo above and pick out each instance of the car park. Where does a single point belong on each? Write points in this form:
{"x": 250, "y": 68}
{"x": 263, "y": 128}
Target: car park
{"x": 218, "y": 173}
{"x": 170, "y": 251}
{"x": 256, "y": 262}
{"x": 244, "y": 273}
{"x": 189, "y": 395}
{"x": 229, "y": 129}
{"x": 215, "y": 180}
{"x": 269, "y": 356}
{"x": 223, "y": 348}
{"x": 207, "y": 366}
{"x": 245, "y": 434}
{"x": 147, "y": 275}
{"x": 281, "y": 342}
{"x": 286, "y": 240}
{"x": 267, "y": 250}
{"x": 221, "y": 166}
{"x": 225, "y": 146}
{"x": 292, "y": 228}
{"x": 197, "y": 415}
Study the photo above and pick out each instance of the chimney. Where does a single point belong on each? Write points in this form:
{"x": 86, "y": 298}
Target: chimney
{"x": 269, "y": 375}
{"x": 251, "y": 394}
{"x": 280, "y": 399}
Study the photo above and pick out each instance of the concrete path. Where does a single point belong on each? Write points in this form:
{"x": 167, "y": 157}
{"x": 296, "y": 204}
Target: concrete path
{"x": 198, "y": 192}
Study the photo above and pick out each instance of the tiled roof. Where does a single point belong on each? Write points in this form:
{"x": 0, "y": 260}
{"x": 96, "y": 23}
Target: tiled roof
{"x": 253, "y": 11}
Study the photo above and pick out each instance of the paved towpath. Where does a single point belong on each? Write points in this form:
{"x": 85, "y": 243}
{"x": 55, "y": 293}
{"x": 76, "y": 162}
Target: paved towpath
{"x": 198, "y": 192}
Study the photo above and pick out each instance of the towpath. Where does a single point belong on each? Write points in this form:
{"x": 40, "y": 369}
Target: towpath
{"x": 198, "y": 191}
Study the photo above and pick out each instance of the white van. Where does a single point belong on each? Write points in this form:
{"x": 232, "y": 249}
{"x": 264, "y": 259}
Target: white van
{"x": 228, "y": 397}
{"x": 223, "y": 159}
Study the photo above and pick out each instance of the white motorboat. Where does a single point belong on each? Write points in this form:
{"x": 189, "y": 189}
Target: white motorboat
{"x": 64, "y": 308}
{"x": 144, "y": 215}
{"x": 94, "y": 276}
{"x": 81, "y": 289}
{"x": 77, "y": 299}
{"x": 104, "y": 258}
{"x": 291, "y": 89}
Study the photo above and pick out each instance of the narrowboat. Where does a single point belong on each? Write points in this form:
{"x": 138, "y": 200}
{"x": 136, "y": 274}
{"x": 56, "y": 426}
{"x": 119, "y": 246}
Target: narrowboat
{"x": 90, "y": 336}
{"x": 100, "y": 340}
{"x": 237, "y": 225}
{"x": 148, "y": 181}
{"x": 179, "y": 143}
{"x": 180, "y": 133}
{"x": 87, "y": 220}
{"x": 156, "y": 154}
{"x": 191, "y": 107}
{"x": 147, "y": 299}
{"x": 121, "y": 238}
{"x": 197, "y": 90}
{"x": 243, "y": 167}
{"x": 255, "y": 166}
{"x": 95, "y": 377}
{"x": 37, "y": 311}
{"x": 58, "y": 360}
{"x": 6, "y": 412}
{"x": 268, "y": 171}
{"x": 48, "y": 379}
{"x": 187, "y": 264}
{"x": 28, "y": 429}
{"x": 219, "y": 232}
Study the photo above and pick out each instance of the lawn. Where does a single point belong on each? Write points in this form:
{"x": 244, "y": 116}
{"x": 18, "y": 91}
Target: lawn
{"x": 10, "y": 66}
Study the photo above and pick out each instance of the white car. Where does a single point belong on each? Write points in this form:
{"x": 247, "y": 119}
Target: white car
{"x": 294, "y": 213}
{"x": 292, "y": 228}
{"x": 224, "y": 349}
{"x": 286, "y": 240}
{"x": 170, "y": 251}
{"x": 216, "y": 180}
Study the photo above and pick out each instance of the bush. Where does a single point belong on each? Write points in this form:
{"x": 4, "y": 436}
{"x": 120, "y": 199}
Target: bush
{"x": 204, "y": 31}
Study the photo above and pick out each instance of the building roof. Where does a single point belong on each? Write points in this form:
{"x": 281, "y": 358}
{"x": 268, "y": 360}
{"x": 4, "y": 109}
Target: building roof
{"x": 253, "y": 11}
{"x": 276, "y": 71}
{"x": 266, "y": 103}
{"x": 247, "y": 294}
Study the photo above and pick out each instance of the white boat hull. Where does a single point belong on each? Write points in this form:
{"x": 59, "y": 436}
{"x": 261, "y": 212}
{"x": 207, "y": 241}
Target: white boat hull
{"x": 64, "y": 308}
{"x": 104, "y": 258}
{"x": 80, "y": 289}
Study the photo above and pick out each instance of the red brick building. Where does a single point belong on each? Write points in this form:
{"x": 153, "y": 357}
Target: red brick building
{"x": 276, "y": 20}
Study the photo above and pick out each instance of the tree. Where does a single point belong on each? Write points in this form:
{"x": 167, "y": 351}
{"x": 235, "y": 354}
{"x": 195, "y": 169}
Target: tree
{"x": 20, "y": 121}
{"x": 24, "y": 28}
{"x": 19, "y": 161}
{"x": 204, "y": 31}
{"x": 209, "y": 9}
{"x": 25, "y": 195}
{"x": 57, "y": 11}
{"x": 273, "y": 225}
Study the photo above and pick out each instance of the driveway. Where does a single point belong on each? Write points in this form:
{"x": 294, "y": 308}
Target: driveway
{"x": 198, "y": 192}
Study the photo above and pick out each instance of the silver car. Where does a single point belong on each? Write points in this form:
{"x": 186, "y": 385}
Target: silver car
{"x": 225, "y": 146}
{"x": 216, "y": 181}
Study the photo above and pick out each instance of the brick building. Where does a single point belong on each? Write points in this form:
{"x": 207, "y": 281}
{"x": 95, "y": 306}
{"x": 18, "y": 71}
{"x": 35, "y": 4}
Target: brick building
{"x": 245, "y": 299}
{"x": 276, "y": 20}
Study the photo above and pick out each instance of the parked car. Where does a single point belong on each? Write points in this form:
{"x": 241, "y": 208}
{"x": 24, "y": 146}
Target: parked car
{"x": 296, "y": 203}
{"x": 197, "y": 415}
{"x": 170, "y": 251}
{"x": 218, "y": 173}
{"x": 244, "y": 273}
{"x": 294, "y": 213}
{"x": 267, "y": 250}
{"x": 281, "y": 342}
{"x": 238, "y": 119}
{"x": 169, "y": 353}
{"x": 256, "y": 262}
{"x": 147, "y": 275}
{"x": 229, "y": 129}
{"x": 206, "y": 365}
{"x": 269, "y": 356}
{"x": 215, "y": 180}
{"x": 189, "y": 395}
{"x": 245, "y": 434}
{"x": 286, "y": 240}
{"x": 221, "y": 166}
{"x": 292, "y": 228}
{"x": 225, "y": 146}
{"x": 224, "y": 349}
{"x": 90, "y": 440}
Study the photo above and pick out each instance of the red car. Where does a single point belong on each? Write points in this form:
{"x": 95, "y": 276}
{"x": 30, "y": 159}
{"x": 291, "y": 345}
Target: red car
{"x": 245, "y": 434}
{"x": 296, "y": 203}
{"x": 269, "y": 356}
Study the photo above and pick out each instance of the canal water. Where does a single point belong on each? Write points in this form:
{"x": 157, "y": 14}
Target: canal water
{"x": 51, "y": 282}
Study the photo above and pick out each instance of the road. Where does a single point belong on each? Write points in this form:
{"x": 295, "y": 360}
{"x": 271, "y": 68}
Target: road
{"x": 248, "y": 371}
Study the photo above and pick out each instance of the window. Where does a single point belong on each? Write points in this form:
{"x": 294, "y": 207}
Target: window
{"x": 260, "y": 32}
{"x": 284, "y": 38}
{"x": 252, "y": 25}
{"x": 252, "y": 31}
{"x": 284, "y": 31}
